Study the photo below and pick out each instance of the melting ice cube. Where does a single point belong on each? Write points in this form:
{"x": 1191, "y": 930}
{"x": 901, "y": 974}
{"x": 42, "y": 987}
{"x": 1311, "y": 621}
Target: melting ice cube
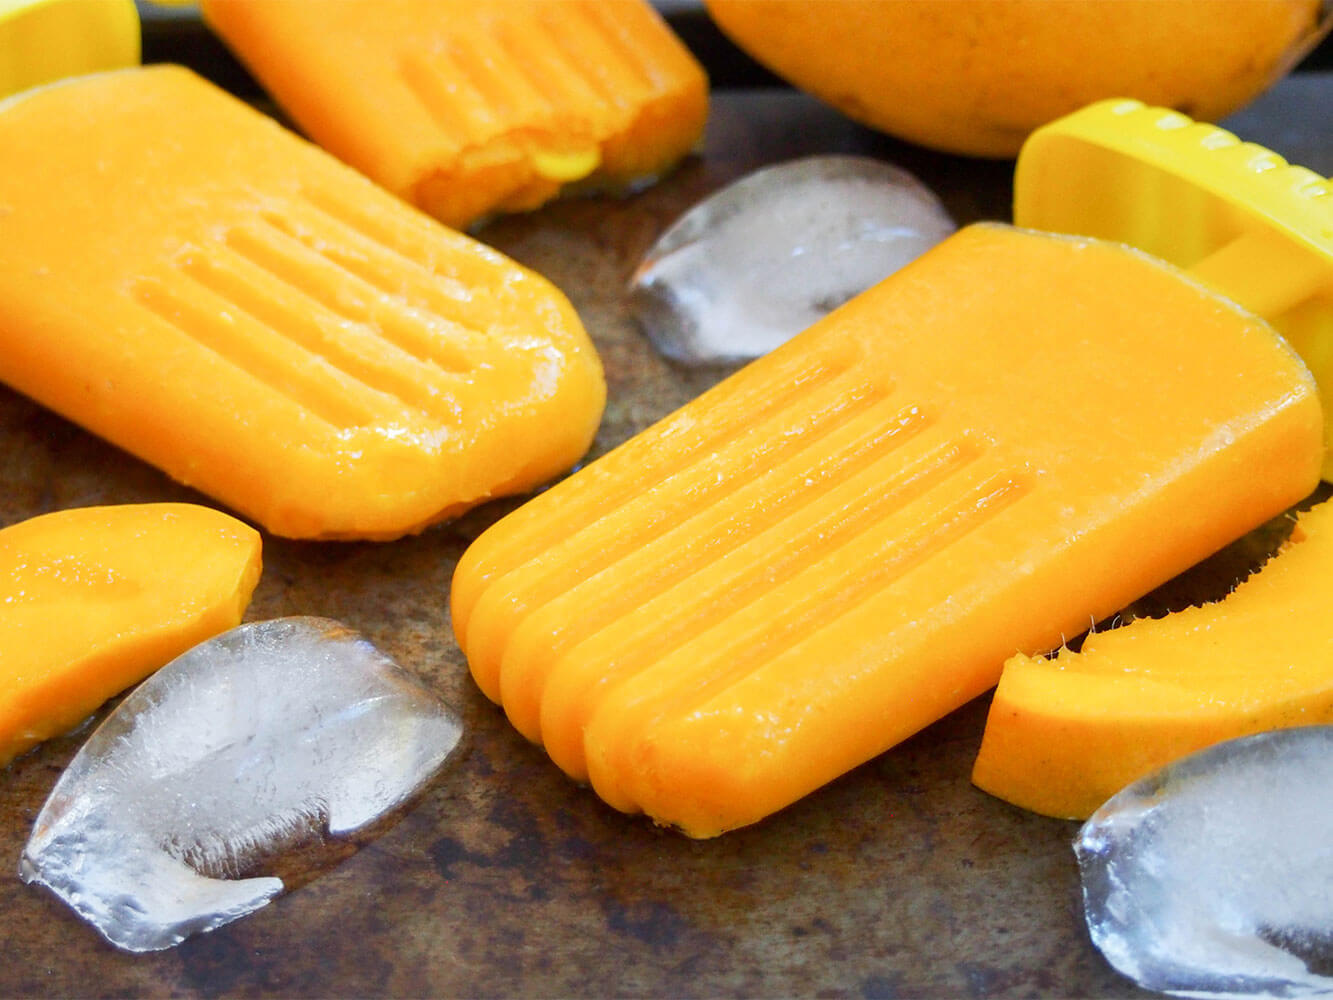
{"x": 264, "y": 737}
{"x": 1214, "y": 877}
{"x": 759, "y": 261}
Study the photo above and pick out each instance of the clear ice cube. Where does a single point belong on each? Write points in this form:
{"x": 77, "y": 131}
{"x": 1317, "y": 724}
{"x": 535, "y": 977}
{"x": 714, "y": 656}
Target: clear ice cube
{"x": 760, "y": 260}
{"x": 1214, "y": 876}
{"x": 267, "y": 737}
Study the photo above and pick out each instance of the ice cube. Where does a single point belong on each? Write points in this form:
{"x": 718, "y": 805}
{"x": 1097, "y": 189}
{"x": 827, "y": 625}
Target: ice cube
{"x": 1214, "y": 876}
{"x": 267, "y": 737}
{"x": 763, "y": 258}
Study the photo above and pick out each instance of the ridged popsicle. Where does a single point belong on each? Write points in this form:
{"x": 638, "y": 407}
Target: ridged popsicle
{"x": 1002, "y": 443}
{"x": 189, "y": 280}
{"x": 469, "y": 107}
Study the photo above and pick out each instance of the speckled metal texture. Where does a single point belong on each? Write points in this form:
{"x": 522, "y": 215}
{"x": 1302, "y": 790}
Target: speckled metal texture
{"x": 507, "y": 880}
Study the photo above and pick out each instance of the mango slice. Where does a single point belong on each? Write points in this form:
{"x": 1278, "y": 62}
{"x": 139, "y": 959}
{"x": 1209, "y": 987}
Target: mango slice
{"x": 1011, "y": 437}
{"x": 262, "y": 323}
{"x": 471, "y": 107}
{"x": 1068, "y": 731}
{"x": 94, "y": 599}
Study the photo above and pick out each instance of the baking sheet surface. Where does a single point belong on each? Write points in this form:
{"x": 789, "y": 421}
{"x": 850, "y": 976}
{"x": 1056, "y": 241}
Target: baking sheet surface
{"x": 900, "y": 879}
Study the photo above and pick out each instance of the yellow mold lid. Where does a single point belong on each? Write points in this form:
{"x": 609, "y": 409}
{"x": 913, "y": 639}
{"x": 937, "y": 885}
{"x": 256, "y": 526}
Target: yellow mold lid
{"x": 45, "y": 40}
{"x": 1233, "y": 214}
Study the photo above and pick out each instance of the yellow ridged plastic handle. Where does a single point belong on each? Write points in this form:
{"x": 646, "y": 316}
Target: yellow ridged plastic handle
{"x": 46, "y": 40}
{"x": 1235, "y": 215}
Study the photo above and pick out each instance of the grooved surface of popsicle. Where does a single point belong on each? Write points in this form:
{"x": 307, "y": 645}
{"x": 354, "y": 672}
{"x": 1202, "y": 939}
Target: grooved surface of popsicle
{"x": 845, "y": 540}
{"x": 469, "y": 108}
{"x": 239, "y": 309}
{"x": 97, "y": 598}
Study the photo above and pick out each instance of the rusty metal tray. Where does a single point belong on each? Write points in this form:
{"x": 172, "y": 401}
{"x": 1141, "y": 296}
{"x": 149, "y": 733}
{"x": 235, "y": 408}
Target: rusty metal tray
{"x": 900, "y": 879}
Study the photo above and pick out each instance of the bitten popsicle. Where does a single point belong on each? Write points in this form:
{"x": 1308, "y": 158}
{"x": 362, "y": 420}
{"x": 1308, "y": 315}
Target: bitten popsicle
{"x": 999, "y": 445}
{"x": 469, "y": 107}
{"x": 189, "y": 280}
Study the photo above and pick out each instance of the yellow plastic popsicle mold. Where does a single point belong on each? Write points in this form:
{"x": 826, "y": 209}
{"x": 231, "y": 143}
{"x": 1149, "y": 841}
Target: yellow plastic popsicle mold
{"x": 46, "y": 40}
{"x": 1235, "y": 215}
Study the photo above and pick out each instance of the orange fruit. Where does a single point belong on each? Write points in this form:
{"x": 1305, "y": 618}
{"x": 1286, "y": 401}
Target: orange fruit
{"x": 976, "y": 76}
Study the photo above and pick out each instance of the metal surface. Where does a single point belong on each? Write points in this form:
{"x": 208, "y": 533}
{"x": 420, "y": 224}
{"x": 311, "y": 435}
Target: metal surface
{"x": 900, "y": 879}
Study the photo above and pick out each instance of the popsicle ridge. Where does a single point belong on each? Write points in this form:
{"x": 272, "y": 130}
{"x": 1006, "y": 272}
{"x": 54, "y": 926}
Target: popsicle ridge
{"x": 709, "y": 676}
{"x": 688, "y": 437}
{"x": 732, "y": 614}
{"x": 501, "y": 75}
{"x": 308, "y": 381}
{"x": 335, "y": 319}
{"x": 687, "y": 477}
{"x": 689, "y": 571}
{"x": 330, "y": 276}
{"x": 336, "y": 298}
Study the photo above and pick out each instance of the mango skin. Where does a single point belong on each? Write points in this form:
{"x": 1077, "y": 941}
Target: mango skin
{"x": 1067, "y": 732}
{"x": 94, "y": 599}
{"x": 976, "y": 77}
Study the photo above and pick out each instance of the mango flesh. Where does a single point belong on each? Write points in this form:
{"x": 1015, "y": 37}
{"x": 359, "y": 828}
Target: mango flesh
{"x": 471, "y": 107}
{"x": 1068, "y": 731}
{"x": 1013, "y": 436}
{"x": 94, "y": 599}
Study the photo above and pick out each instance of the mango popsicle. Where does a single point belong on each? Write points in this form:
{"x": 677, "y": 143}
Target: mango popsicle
{"x": 1002, "y": 443}
{"x": 468, "y": 107}
{"x": 199, "y": 286}
{"x": 1238, "y": 216}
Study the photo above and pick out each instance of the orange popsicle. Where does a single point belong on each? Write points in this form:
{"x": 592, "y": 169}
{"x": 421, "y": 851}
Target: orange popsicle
{"x": 1002, "y": 443}
{"x": 467, "y": 107}
{"x": 194, "y": 283}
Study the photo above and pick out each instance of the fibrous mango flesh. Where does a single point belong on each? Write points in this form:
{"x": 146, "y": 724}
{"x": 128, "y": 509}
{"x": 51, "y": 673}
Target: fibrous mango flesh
{"x": 94, "y": 599}
{"x": 1068, "y": 731}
